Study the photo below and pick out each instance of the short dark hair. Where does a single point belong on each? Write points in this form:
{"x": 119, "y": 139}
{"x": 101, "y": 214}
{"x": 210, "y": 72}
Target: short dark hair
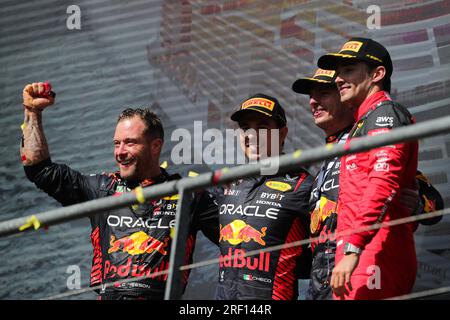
{"x": 153, "y": 125}
{"x": 386, "y": 82}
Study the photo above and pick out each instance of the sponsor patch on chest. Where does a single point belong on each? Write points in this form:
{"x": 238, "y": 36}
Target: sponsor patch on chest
{"x": 384, "y": 122}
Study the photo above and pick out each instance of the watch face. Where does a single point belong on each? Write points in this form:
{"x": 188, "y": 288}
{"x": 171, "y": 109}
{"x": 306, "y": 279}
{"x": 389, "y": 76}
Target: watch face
{"x": 349, "y": 248}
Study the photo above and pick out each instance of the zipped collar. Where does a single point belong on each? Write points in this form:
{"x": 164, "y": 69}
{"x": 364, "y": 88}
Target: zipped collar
{"x": 163, "y": 176}
{"x": 370, "y": 102}
{"x": 338, "y": 135}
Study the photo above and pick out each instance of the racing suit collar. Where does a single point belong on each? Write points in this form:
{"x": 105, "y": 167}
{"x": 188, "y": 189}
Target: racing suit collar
{"x": 370, "y": 102}
{"x": 338, "y": 135}
{"x": 266, "y": 176}
{"x": 149, "y": 181}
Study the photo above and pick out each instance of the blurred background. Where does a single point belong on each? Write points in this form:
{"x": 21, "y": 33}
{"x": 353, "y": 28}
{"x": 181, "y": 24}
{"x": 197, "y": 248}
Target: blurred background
{"x": 193, "y": 60}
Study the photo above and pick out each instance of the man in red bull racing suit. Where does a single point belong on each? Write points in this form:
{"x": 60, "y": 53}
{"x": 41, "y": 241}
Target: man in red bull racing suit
{"x": 336, "y": 121}
{"x": 127, "y": 242}
{"x": 260, "y": 212}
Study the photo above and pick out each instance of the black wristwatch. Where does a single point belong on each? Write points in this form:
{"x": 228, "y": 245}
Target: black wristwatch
{"x": 350, "y": 248}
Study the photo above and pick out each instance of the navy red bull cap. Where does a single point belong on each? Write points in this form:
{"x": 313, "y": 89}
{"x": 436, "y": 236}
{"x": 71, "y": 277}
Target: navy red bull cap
{"x": 321, "y": 77}
{"x": 264, "y": 104}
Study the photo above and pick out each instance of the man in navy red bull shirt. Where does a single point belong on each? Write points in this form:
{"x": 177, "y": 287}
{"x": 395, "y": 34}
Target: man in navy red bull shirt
{"x": 260, "y": 212}
{"x": 336, "y": 121}
{"x": 128, "y": 242}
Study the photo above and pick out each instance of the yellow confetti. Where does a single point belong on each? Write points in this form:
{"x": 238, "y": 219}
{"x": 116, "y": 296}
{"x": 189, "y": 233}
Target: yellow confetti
{"x": 173, "y": 197}
{"x": 192, "y": 174}
{"x": 329, "y": 146}
{"x": 31, "y": 222}
{"x": 172, "y": 232}
{"x": 23, "y": 126}
{"x": 164, "y": 165}
{"x": 139, "y": 194}
{"x": 297, "y": 153}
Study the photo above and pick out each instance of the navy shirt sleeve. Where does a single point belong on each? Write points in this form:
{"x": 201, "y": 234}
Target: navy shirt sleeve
{"x": 64, "y": 184}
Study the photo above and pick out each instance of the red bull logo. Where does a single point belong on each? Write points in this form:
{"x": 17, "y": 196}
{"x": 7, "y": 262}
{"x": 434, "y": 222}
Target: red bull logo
{"x": 237, "y": 259}
{"x": 327, "y": 207}
{"x": 321, "y": 213}
{"x": 112, "y": 271}
{"x": 138, "y": 243}
{"x": 324, "y": 236}
{"x": 238, "y": 231}
{"x": 430, "y": 205}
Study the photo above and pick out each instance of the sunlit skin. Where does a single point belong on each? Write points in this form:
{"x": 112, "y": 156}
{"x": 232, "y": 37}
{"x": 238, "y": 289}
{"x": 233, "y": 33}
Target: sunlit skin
{"x": 327, "y": 111}
{"x": 250, "y": 141}
{"x": 355, "y": 82}
{"x": 136, "y": 154}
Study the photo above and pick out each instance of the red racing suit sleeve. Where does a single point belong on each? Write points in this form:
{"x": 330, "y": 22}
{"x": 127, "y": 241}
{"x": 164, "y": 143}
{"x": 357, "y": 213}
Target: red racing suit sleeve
{"x": 388, "y": 170}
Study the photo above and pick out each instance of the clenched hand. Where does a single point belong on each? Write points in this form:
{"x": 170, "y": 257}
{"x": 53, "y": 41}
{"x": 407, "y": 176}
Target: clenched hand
{"x": 38, "y": 95}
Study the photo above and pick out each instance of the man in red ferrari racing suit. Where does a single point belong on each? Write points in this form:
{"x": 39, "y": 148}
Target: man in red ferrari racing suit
{"x": 373, "y": 264}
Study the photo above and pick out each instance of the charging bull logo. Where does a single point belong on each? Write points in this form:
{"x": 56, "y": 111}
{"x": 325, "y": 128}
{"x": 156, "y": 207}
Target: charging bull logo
{"x": 430, "y": 205}
{"x": 138, "y": 243}
{"x": 238, "y": 231}
{"x": 324, "y": 210}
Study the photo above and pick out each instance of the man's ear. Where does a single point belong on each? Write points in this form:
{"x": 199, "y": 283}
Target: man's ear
{"x": 156, "y": 146}
{"x": 378, "y": 74}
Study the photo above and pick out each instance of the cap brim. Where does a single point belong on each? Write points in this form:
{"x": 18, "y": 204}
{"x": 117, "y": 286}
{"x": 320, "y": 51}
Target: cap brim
{"x": 303, "y": 86}
{"x": 238, "y": 114}
{"x": 330, "y": 61}
{"x": 235, "y": 116}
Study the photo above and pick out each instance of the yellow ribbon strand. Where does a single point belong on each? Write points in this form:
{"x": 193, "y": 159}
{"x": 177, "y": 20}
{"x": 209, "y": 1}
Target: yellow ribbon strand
{"x": 31, "y": 222}
{"x": 139, "y": 195}
{"x": 297, "y": 153}
{"x": 192, "y": 174}
{"x": 164, "y": 165}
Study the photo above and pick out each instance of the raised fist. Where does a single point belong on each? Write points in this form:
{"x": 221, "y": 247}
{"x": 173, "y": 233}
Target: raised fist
{"x": 38, "y": 95}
